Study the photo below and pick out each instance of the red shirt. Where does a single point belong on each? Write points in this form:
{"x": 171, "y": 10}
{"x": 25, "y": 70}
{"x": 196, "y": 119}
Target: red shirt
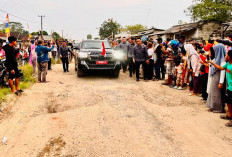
{"x": 203, "y": 58}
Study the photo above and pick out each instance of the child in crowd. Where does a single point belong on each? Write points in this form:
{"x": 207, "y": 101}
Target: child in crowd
{"x": 170, "y": 65}
{"x": 204, "y": 72}
{"x": 228, "y": 68}
{"x": 178, "y": 74}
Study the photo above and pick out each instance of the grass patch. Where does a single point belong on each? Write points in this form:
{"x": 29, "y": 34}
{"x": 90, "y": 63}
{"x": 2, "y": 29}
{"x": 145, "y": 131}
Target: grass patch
{"x": 25, "y": 82}
{"x": 56, "y": 62}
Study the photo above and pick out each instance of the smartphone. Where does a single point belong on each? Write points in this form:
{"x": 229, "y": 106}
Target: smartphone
{"x": 208, "y": 57}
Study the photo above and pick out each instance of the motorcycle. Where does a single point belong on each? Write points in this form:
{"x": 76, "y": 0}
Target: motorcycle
{"x": 4, "y": 74}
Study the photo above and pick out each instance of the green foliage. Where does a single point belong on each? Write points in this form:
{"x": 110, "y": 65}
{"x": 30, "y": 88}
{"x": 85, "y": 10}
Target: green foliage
{"x": 108, "y": 28}
{"x": 89, "y": 36}
{"x": 27, "y": 73}
{"x": 134, "y": 29}
{"x": 26, "y": 82}
{"x": 14, "y": 27}
{"x": 37, "y": 33}
{"x": 3, "y": 92}
{"x": 56, "y": 35}
{"x": 217, "y": 10}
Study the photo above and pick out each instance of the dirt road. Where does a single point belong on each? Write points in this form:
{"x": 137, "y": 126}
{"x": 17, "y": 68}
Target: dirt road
{"x": 100, "y": 116}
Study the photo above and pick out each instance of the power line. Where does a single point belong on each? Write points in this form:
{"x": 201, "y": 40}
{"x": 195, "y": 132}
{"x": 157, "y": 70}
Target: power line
{"x": 17, "y": 16}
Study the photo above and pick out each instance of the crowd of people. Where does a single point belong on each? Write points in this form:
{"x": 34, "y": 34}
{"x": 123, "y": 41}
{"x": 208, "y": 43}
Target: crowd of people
{"x": 202, "y": 68}
{"x": 38, "y": 53}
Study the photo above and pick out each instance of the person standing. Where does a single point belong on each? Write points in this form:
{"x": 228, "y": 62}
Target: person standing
{"x": 42, "y": 59}
{"x": 33, "y": 56}
{"x": 64, "y": 50}
{"x": 228, "y": 68}
{"x": 215, "y": 100}
{"x": 123, "y": 48}
{"x": 140, "y": 56}
{"x": 12, "y": 65}
{"x": 129, "y": 55}
{"x": 49, "y": 57}
{"x": 151, "y": 60}
{"x": 113, "y": 44}
{"x": 160, "y": 60}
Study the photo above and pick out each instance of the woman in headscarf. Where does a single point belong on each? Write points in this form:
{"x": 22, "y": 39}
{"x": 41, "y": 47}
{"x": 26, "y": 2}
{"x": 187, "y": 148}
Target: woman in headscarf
{"x": 215, "y": 99}
{"x": 195, "y": 64}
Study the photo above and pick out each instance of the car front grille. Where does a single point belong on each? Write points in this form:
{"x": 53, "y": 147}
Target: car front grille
{"x": 97, "y": 56}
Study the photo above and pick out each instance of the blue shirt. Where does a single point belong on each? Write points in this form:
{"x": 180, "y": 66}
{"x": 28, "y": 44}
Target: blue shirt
{"x": 42, "y": 53}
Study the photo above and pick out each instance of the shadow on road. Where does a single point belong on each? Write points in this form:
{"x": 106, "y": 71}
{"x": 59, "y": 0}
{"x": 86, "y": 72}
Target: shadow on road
{"x": 99, "y": 74}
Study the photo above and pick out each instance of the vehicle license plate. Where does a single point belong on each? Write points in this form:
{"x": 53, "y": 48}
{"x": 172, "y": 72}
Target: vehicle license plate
{"x": 102, "y": 62}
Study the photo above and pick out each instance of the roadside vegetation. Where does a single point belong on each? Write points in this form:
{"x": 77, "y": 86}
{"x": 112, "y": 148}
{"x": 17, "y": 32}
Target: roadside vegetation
{"x": 25, "y": 82}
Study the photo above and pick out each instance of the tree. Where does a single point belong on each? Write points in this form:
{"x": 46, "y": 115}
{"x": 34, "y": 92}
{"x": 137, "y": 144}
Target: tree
{"x": 37, "y": 33}
{"x": 89, "y": 36}
{"x": 108, "y": 28}
{"x": 217, "y": 10}
{"x": 14, "y": 27}
{"x": 134, "y": 29}
{"x": 24, "y": 32}
{"x": 56, "y": 36}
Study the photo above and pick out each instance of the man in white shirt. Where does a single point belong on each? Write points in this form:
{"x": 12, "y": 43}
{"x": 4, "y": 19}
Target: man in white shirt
{"x": 151, "y": 53}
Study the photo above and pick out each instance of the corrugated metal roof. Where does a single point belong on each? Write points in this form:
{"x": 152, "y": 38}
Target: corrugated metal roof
{"x": 149, "y": 31}
{"x": 182, "y": 28}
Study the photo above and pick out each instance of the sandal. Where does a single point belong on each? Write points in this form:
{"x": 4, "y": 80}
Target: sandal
{"x": 225, "y": 117}
{"x": 17, "y": 93}
{"x": 216, "y": 111}
{"x": 21, "y": 91}
{"x": 229, "y": 124}
{"x": 210, "y": 110}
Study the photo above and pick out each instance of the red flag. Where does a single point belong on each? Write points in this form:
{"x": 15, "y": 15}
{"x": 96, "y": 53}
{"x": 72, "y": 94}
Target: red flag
{"x": 103, "y": 49}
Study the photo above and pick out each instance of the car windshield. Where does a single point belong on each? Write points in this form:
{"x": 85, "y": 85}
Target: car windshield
{"x": 94, "y": 45}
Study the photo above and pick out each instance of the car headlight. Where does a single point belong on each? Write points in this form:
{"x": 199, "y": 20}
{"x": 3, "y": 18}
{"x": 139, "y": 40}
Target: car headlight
{"x": 82, "y": 55}
{"x": 118, "y": 55}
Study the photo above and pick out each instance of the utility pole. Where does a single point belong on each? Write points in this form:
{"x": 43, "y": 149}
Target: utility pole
{"x": 62, "y": 34}
{"x": 41, "y": 16}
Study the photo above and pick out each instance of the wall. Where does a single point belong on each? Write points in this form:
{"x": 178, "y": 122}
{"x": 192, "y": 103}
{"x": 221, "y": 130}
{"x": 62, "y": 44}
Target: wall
{"x": 207, "y": 29}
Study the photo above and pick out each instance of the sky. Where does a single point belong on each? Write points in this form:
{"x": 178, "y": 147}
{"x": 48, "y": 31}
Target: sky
{"x": 77, "y": 18}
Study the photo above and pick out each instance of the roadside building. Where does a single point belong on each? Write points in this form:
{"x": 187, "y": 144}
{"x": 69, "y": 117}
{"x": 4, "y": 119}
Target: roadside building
{"x": 144, "y": 35}
{"x": 201, "y": 30}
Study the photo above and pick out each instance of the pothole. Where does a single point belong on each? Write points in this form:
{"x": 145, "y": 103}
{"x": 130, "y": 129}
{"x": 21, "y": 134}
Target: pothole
{"x": 53, "y": 147}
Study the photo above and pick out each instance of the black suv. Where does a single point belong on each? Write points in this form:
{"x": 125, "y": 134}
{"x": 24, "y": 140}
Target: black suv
{"x": 89, "y": 58}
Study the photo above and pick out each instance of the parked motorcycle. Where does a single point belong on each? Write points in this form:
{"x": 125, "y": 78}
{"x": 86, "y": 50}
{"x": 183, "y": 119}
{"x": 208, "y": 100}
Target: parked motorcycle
{"x": 4, "y": 74}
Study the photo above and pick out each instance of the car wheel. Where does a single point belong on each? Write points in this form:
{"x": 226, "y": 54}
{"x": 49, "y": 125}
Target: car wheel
{"x": 80, "y": 73}
{"x": 116, "y": 73}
